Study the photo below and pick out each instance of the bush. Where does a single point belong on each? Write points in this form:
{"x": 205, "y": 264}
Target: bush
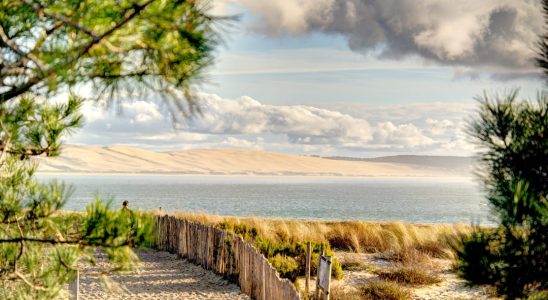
{"x": 287, "y": 256}
{"x": 476, "y": 263}
{"x": 514, "y": 257}
{"x": 286, "y": 266}
{"x": 542, "y": 295}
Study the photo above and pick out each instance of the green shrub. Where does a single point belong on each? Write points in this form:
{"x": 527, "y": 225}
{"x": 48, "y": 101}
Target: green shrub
{"x": 514, "y": 257}
{"x": 287, "y": 256}
{"x": 476, "y": 257}
{"x": 287, "y": 266}
{"x": 542, "y": 295}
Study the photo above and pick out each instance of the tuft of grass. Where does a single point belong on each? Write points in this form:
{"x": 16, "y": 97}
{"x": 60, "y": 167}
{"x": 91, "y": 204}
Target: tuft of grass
{"x": 341, "y": 293}
{"x": 409, "y": 276}
{"x": 355, "y": 265}
{"x": 384, "y": 290}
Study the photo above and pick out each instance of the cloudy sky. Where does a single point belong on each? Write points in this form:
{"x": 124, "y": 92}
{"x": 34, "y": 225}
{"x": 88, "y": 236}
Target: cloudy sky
{"x": 343, "y": 77}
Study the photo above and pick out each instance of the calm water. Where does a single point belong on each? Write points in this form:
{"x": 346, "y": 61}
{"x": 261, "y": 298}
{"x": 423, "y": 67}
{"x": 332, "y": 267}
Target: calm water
{"x": 416, "y": 200}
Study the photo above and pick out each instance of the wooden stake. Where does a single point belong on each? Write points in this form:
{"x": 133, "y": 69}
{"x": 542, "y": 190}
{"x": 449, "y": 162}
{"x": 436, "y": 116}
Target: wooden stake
{"x": 318, "y": 275}
{"x": 328, "y": 289}
{"x": 307, "y": 269}
{"x": 74, "y": 287}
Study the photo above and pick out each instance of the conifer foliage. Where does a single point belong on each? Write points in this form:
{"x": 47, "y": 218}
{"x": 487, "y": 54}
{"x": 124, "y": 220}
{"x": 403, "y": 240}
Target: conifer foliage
{"x": 119, "y": 48}
{"x": 513, "y": 136}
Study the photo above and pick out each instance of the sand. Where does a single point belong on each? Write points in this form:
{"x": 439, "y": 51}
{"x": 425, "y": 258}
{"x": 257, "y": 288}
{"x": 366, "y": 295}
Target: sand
{"x": 450, "y": 287}
{"x": 162, "y": 276}
{"x": 122, "y": 159}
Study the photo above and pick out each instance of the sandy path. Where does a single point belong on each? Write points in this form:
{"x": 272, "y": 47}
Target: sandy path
{"x": 162, "y": 276}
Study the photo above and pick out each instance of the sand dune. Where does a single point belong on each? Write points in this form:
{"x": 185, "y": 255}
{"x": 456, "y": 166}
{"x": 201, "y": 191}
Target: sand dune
{"x": 122, "y": 159}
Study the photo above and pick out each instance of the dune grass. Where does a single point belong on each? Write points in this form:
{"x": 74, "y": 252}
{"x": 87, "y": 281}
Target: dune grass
{"x": 283, "y": 242}
{"x": 398, "y": 238}
{"x": 412, "y": 276}
{"x": 384, "y": 290}
{"x": 355, "y": 265}
{"x": 373, "y": 290}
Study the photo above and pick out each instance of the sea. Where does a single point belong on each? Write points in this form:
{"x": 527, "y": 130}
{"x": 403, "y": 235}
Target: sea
{"x": 410, "y": 199}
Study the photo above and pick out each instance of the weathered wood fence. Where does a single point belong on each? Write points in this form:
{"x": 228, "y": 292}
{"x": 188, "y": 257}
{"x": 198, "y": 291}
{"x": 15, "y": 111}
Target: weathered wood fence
{"x": 226, "y": 254}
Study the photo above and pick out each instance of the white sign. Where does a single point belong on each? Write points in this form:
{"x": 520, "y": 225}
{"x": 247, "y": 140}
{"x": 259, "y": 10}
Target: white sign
{"x": 324, "y": 273}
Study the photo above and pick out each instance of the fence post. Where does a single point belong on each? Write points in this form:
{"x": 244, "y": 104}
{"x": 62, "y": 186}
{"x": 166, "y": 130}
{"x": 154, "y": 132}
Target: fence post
{"x": 74, "y": 287}
{"x": 328, "y": 291}
{"x": 318, "y": 275}
{"x": 307, "y": 268}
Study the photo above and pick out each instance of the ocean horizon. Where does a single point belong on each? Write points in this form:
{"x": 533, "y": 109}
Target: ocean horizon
{"x": 408, "y": 199}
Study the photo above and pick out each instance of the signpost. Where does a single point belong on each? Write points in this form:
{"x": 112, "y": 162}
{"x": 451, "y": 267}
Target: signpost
{"x": 323, "y": 280}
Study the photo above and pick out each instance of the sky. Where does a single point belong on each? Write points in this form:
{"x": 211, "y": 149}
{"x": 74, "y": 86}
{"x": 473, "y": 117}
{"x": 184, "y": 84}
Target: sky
{"x": 356, "y": 78}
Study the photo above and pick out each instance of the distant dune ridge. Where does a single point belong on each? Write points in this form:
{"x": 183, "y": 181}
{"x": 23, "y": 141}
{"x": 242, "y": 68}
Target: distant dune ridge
{"x": 122, "y": 159}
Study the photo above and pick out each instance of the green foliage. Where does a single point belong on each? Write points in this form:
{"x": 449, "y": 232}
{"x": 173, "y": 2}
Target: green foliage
{"x": 285, "y": 254}
{"x": 119, "y": 46}
{"x": 541, "y": 295}
{"x": 477, "y": 256}
{"x": 40, "y": 247}
{"x": 514, "y": 257}
{"x": 29, "y": 128}
{"x": 542, "y": 44}
{"x": 287, "y": 266}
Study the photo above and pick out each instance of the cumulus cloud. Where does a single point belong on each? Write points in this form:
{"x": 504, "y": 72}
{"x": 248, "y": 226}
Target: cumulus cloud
{"x": 301, "y": 124}
{"x": 494, "y": 35}
{"x": 232, "y": 142}
{"x": 249, "y": 124}
{"x": 306, "y": 125}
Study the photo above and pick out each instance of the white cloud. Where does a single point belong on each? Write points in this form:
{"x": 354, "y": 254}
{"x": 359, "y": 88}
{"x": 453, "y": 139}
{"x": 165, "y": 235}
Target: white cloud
{"x": 232, "y": 142}
{"x": 246, "y": 123}
{"x": 438, "y": 127}
{"x": 402, "y": 136}
{"x": 301, "y": 124}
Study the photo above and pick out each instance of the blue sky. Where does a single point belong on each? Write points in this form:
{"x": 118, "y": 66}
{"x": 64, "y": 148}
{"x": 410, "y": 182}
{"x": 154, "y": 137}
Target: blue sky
{"x": 287, "y": 81}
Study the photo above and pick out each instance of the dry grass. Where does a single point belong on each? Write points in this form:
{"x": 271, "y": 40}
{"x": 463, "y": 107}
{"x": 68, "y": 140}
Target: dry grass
{"x": 354, "y": 264}
{"x": 409, "y": 275}
{"x": 384, "y": 290}
{"x": 341, "y": 293}
{"x": 355, "y": 236}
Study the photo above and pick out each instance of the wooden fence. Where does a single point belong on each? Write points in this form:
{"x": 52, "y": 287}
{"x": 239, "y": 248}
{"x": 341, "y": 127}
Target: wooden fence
{"x": 226, "y": 254}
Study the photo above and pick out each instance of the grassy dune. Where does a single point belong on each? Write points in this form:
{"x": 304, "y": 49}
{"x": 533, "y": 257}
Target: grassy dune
{"x": 410, "y": 249}
{"x": 396, "y": 239}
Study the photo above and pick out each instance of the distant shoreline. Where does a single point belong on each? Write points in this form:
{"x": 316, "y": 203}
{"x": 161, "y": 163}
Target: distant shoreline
{"x": 237, "y": 162}
{"x": 257, "y": 175}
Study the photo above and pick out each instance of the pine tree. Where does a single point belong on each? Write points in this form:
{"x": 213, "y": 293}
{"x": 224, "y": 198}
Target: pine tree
{"x": 513, "y": 136}
{"x": 121, "y": 48}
